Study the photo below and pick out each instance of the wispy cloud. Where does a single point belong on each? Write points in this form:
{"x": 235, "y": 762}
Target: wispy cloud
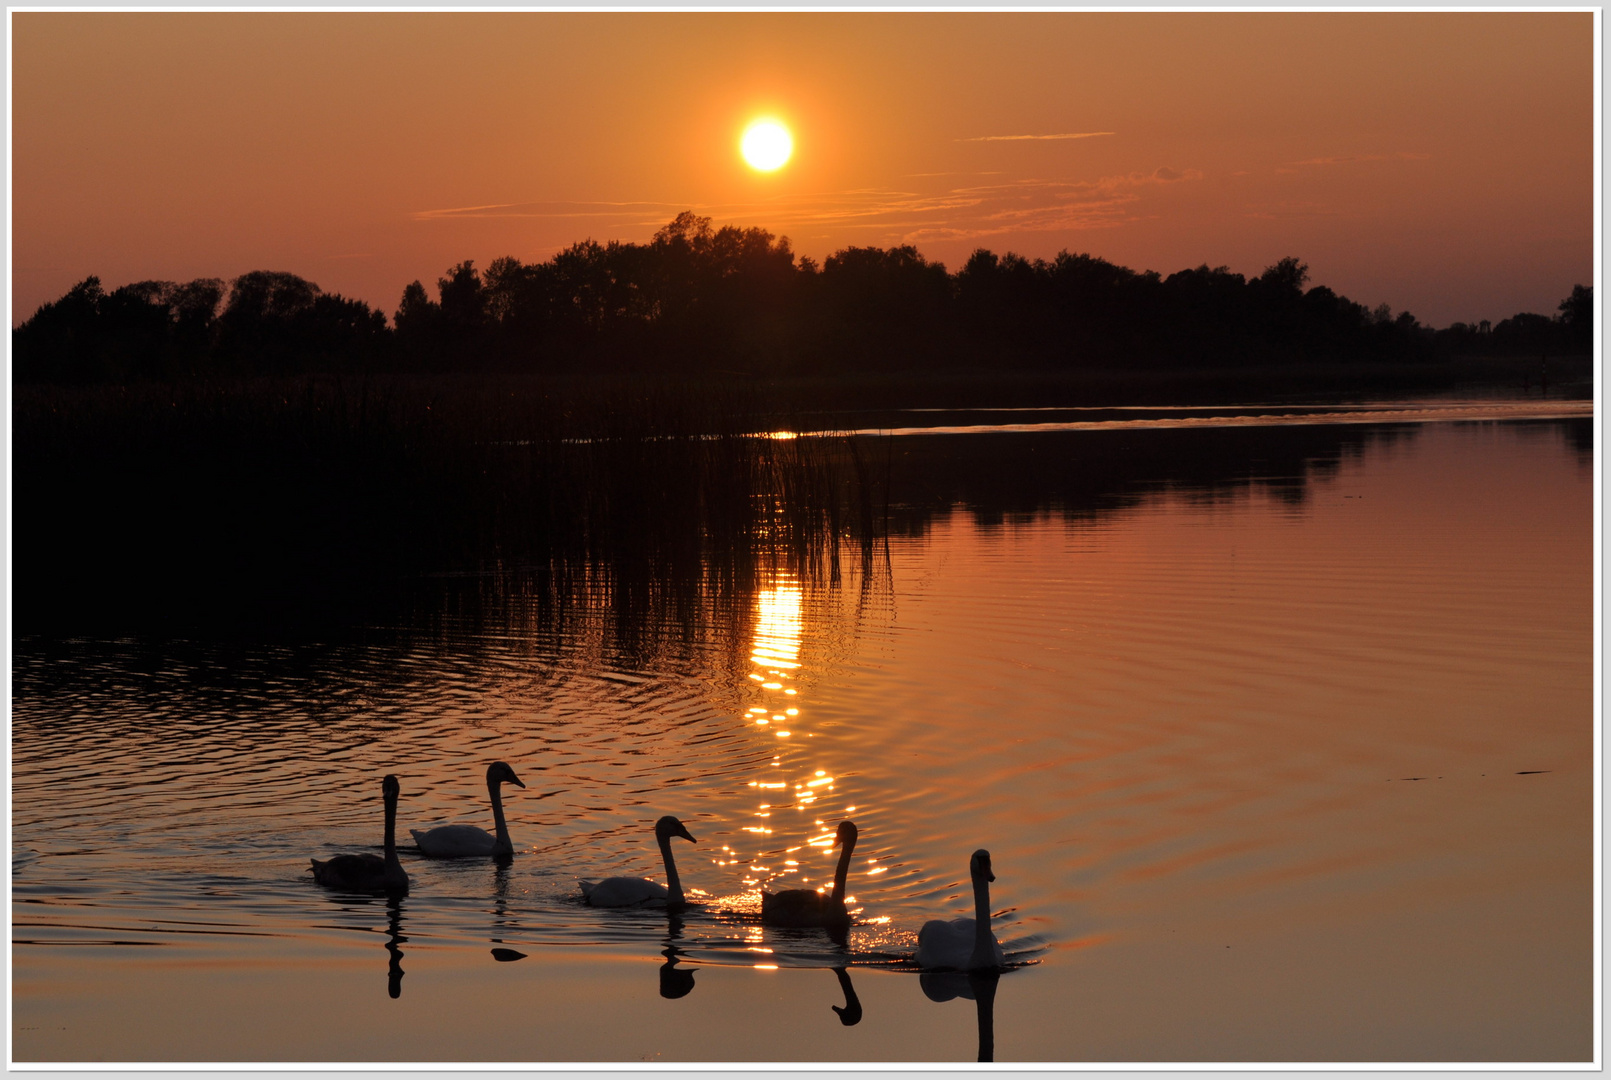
{"x": 1279, "y": 210}
{"x": 881, "y": 216}
{"x": 1051, "y": 206}
{"x": 1345, "y": 160}
{"x": 541, "y": 210}
{"x": 1036, "y": 138}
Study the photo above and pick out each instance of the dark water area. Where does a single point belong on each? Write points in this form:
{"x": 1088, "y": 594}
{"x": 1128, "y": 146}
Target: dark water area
{"x": 1281, "y": 739}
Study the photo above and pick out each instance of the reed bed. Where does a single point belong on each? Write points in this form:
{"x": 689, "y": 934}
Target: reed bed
{"x": 340, "y": 500}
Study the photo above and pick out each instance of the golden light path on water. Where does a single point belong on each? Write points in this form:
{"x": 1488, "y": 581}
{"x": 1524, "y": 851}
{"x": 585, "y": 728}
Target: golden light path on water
{"x": 794, "y": 848}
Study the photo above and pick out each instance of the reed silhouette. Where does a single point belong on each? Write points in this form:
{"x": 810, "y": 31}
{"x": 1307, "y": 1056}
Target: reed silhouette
{"x": 292, "y": 501}
{"x": 328, "y": 505}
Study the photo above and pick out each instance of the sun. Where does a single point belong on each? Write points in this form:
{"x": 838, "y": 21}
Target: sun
{"x": 766, "y": 145}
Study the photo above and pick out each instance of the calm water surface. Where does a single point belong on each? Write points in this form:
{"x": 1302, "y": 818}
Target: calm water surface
{"x": 1295, "y": 767}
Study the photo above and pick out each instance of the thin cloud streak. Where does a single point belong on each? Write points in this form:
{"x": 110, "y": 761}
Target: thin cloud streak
{"x": 879, "y": 215}
{"x": 1401, "y": 156}
{"x": 1036, "y": 138}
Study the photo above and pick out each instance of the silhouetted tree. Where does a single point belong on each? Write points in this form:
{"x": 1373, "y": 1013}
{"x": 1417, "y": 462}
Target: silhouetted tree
{"x": 1577, "y": 318}
{"x": 700, "y": 297}
{"x": 146, "y": 329}
{"x": 62, "y": 340}
{"x": 276, "y": 323}
{"x": 885, "y": 308}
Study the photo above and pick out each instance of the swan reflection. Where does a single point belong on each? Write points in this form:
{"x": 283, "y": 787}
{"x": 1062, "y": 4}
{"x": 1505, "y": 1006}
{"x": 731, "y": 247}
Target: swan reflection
{"x": 675, "y": 982}
{"x": 394, "y": 952}
{"x": 850, "y": 1015}
{"x": 977, "y": 986}
{"x": 501, "y": 922}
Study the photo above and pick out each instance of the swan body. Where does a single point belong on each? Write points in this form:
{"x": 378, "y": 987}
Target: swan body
{"x": 460, "y": 841}
{"x": 807, "y": 907}
{"x": 641, "y": 892}
{"x": 368, "y": 873}
{"x": 964, "y": 944}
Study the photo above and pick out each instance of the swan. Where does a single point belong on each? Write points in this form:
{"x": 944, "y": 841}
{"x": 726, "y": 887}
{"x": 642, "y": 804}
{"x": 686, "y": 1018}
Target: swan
{"x": 964, "y": 944}
{"x": 455, "y": 841}
{"x": 369, "y": 873}
{"x": 807, "y": 907}
{"x": 641, "y": 892}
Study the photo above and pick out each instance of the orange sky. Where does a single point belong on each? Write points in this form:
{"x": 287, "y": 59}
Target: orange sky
{"x": 1442, "y": 163}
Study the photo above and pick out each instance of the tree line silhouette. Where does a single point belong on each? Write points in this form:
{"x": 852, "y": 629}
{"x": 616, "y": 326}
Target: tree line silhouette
{"x": 696, "y": 299}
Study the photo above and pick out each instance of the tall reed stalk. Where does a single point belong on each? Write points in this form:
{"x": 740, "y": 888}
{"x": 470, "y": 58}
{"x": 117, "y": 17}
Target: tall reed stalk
{"x": 329, "y": 498}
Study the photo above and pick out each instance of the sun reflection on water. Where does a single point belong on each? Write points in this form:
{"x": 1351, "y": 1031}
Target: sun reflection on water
{"x": 802, "y": 853}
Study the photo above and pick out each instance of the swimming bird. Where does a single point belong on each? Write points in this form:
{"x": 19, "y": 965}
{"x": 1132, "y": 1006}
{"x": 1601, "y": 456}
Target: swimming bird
{"x": 808, "y": 907}
{"x": 964, "y": 944}
{"x": 456, "y": 841}
{"x": 369, "y": 873}
{"x": 641, "y": 892}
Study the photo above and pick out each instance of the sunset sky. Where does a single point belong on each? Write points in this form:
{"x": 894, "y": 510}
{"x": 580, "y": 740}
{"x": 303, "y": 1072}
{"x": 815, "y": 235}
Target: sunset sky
{"x": 1441, "y": 163}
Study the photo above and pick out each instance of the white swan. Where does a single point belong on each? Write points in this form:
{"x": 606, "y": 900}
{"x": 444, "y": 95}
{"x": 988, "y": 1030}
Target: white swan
{"x": 807, "y": 907}
{"x": 964, "y": 944}
{"x": 369, "y": 873}
{"x": 641, "y": 892}
{"x": 456, "y": 841}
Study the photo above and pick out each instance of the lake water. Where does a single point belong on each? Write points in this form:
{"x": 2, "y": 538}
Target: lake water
{"x": 1282, "y": 742}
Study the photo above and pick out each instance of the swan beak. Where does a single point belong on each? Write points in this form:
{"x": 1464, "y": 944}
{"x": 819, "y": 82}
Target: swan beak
{"x": 686, "y": 835}
{"x": 515, "y": 780}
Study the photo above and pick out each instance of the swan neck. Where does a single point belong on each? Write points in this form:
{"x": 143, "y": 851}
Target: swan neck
{"x": 391, "y": 828}
{"x": 502, "y": 845}
{"x": 842, "y": 871}
{"x": 983, "y": 939}
{"x": 673, "y": 883}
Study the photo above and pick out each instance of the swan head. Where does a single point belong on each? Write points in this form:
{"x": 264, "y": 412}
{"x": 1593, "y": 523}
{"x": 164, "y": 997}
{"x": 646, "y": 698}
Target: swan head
{"x": 669, "y": 826}
{"x": 390, "y": 788}
{"x": 846, "y": 834}
{"x": 499, "y": 772}
{"x": 979, "y": 865}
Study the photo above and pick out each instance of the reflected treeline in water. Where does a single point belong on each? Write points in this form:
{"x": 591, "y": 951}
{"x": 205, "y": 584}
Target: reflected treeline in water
{"x": 330, "y": 503}
{"x": 1083, "y": 475}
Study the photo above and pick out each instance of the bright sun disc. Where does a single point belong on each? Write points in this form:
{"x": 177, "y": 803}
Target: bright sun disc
{"x": 766, "y": 145}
